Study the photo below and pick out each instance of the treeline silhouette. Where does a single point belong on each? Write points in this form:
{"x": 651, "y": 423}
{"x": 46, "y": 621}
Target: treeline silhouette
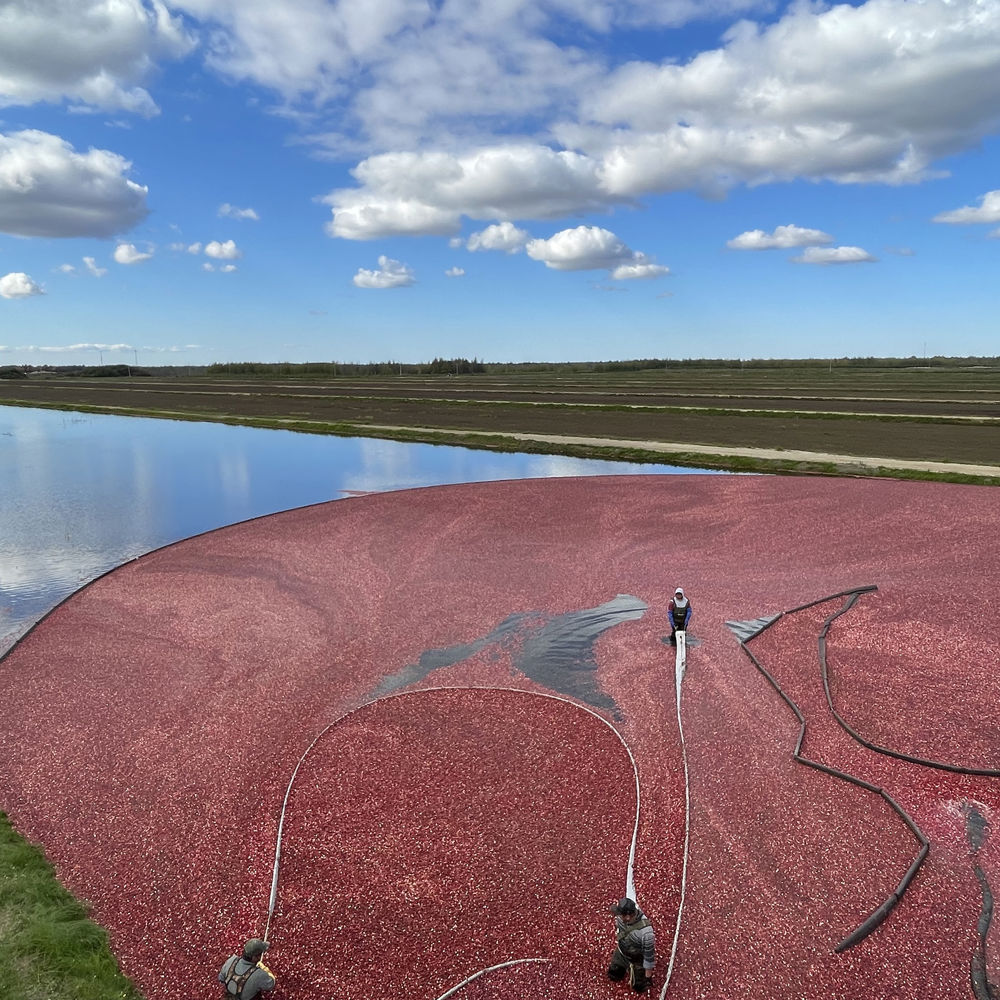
{"x": 439, "y": 366}
{"x": 463, "y": 366}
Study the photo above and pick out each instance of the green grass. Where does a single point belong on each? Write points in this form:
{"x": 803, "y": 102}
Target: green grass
{"x": 49, "y": 948}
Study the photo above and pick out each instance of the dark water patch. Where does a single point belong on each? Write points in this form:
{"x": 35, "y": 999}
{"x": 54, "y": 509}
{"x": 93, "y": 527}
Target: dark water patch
{"x": 560, "y": 655}
{"x": 745, "y": 631}
{"x": 982, "y": 987}
{"x": 434, "y": 659}
{"x": 977, "y": 828}
{"x": 556, "y": 651}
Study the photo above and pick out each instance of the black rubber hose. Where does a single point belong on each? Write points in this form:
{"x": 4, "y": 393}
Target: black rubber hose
{"x": 850, "y": 730}
{"x": 882, "y": 911}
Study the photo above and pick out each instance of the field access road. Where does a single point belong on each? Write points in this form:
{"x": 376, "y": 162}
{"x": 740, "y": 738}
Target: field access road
{"x": 846, "y": 462}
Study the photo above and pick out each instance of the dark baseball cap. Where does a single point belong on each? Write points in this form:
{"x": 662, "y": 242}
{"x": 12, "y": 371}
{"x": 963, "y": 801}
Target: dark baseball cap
{"x": 255, "y": 946}
{"x": 625, "y": 907}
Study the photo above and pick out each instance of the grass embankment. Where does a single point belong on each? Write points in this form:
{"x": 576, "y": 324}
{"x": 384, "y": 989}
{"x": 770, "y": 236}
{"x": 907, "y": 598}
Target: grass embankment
{"x": 50, "y": 949}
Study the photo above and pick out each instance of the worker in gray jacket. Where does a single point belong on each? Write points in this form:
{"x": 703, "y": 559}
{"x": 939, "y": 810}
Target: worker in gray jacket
{"x": 244, "y": 976}
{"x": 635, "y": 953}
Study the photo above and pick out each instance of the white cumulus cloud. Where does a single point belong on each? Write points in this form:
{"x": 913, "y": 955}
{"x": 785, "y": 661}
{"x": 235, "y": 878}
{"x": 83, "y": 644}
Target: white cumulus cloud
{"x": 584, "y": 248}
{"x": 872, "y": 92}
{"x": 128, "y": 253}
{"x": 988, "y": 210}
{"x": 66, "y": 348}
{"x": 408, "y": 194}
{"x": 223, "y": 251}
{"x": 783, "y": 238}
{"x": 591, "y": 248}
{"x": 863, "y": 92}
{"x": 93, "y": 53}
{"x": 18, "y": 285}
{"x": 47, "y": 188}
{"x": 91, "y": 265}
{"x": 227, "y": 211}
{"x": 390, "y": 274}
{"x": 639, "y": 271}
{"x": 455, "y": 272}
{"x": 503, "y": 236}
{"x": 834, "y": 255}
{"x": 401, "y": 73}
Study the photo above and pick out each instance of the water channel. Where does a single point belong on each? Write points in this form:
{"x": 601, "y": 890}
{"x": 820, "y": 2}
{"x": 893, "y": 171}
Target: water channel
{"x": 83, "y": 493}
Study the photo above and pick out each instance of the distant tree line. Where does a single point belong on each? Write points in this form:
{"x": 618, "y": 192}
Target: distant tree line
{"x": 439, "y": 366}
{"x": 463, "y": 366}
{"x": 649, "y": 364}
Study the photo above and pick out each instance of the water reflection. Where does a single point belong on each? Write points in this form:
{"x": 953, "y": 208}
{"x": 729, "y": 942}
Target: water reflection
{"x": 81, "y": 493}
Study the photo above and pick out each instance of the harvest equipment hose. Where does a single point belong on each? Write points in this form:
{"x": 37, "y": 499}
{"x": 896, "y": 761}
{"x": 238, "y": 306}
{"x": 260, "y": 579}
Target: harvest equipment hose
{"x": 680, "y": 665}
{"x": 881, "y": 912}
{"x": 629, "y": 879}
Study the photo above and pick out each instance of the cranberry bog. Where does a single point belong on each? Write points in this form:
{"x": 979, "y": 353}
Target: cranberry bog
{"x": 472, "y": 688}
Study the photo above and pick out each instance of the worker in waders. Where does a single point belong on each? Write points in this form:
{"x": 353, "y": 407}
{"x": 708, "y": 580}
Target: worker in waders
{"x": 679, "y": 614}
{"x": 635, "y": 954}
{"x": 244, "y": 976}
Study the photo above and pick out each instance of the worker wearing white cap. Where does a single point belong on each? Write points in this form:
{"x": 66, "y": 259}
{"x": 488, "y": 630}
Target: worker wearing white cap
{"x": 678, "y": 614}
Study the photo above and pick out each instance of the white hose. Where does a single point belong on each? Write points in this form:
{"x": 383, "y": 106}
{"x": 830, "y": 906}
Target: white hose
{"x": 482, "y": 972}
{"x": 629, "y": 882}
{"x": 680, "y": 664}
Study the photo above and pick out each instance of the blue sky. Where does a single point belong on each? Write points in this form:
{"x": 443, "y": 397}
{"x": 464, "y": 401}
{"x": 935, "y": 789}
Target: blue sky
{"x": 190, "y": 181}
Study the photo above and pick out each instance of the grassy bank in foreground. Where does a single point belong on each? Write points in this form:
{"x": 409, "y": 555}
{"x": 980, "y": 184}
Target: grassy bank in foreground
{"x": 51, "y": 949}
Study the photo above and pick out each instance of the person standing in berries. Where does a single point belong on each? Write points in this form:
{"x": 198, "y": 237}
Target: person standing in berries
{"x": 679, "y": 614}
{"x": 244, "y": 976}
{"x": 635, "y": 954}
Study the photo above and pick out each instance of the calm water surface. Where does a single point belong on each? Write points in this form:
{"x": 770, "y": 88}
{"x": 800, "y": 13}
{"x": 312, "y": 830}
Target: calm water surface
{"x": 82, "y": 493}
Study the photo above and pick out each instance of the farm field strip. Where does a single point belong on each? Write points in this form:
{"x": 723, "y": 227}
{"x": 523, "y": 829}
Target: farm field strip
{"x": 611, "y": 393}
{"x": 555, "y": 414}
{"x": 692, "y": 453}
{"x": 611, "y": 406}
{"x": 852, "y": 436}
